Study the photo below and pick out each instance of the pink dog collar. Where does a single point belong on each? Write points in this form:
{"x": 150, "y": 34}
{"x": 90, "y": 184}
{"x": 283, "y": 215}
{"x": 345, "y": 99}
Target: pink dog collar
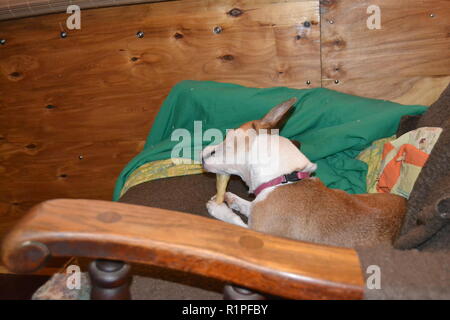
{"x": 290, "y": 177}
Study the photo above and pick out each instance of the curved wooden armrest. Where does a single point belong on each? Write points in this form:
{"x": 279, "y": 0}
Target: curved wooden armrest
{"x": 175, "y": 240}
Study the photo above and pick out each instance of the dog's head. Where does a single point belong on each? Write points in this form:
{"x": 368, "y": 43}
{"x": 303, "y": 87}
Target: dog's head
{"x": 256, "y": 149}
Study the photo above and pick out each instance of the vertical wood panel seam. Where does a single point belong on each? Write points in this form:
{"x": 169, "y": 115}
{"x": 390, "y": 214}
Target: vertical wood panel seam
{"x": 320, "y": 44}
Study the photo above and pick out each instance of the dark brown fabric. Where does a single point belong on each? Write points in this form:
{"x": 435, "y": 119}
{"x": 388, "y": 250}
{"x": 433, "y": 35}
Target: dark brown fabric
{"x": 185, "y": 193}
{"x": 407, "y": 123}
{"x": 439, "y": 112}
{"x": 152, "y": 283}
{"x": 429, "y": 202}
{"x": 410, "y": 274}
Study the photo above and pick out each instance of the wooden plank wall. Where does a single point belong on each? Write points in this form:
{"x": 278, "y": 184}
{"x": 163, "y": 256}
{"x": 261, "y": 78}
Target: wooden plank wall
{"x": 74, "y": 111}
{"x": 407, "y": 60}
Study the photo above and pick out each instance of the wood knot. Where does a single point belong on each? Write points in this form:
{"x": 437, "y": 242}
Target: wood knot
{"x": 235, "y": 12}
{"x": 109, "y": 217}
{"x": 339, "y": 43}
{"x": 227, "y": 57}
{"x": 134, "y": 59}
{"x": 30, "y": 146}
{"x": 251, "y": 242}
{"x": 178, "y": 35}
{"x": 15, "y": 76}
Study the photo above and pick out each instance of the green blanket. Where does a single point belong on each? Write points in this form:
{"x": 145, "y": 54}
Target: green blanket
{"x": 333, "y": 127}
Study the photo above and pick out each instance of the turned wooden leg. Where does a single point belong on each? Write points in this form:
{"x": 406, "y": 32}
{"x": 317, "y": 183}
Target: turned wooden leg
{"x": 232, "y": 292}
{"x": 110, "y": 280}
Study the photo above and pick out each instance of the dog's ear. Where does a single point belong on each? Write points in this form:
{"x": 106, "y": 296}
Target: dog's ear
{"x": 276, "y": 114}
{"x": 296, "y": 143}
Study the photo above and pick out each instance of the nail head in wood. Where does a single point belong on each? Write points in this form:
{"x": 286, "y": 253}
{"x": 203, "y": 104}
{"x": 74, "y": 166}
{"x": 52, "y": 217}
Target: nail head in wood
{"x": 140, "y": 34}
{"x": 2, "y": 41}
{"x": 217, "y": 29}
{"x": 63, "y": 34}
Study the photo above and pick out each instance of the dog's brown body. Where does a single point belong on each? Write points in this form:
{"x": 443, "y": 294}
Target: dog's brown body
{"x": 309, "y": 211}
{"x": 305, "y": 210}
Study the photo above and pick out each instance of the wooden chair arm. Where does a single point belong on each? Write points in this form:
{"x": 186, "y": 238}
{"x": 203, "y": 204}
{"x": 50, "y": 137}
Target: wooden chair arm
{"x": 176, "y": 240}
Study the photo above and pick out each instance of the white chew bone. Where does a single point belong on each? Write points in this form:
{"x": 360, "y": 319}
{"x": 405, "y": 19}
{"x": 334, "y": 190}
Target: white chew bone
{"x": 221, "y": 186}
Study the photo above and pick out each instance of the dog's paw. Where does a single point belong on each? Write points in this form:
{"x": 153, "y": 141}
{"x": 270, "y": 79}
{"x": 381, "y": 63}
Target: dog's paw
{"x": 222, "y": 212}
{"x": 217, "y": 210}
{"x": 232, "y": 201}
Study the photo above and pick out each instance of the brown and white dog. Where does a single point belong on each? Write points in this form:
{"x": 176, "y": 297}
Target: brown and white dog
{"x": 304, "y": 210}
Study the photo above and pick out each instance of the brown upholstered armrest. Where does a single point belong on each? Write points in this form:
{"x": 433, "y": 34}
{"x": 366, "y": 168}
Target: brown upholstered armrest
{"x": 175, "y": 240}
